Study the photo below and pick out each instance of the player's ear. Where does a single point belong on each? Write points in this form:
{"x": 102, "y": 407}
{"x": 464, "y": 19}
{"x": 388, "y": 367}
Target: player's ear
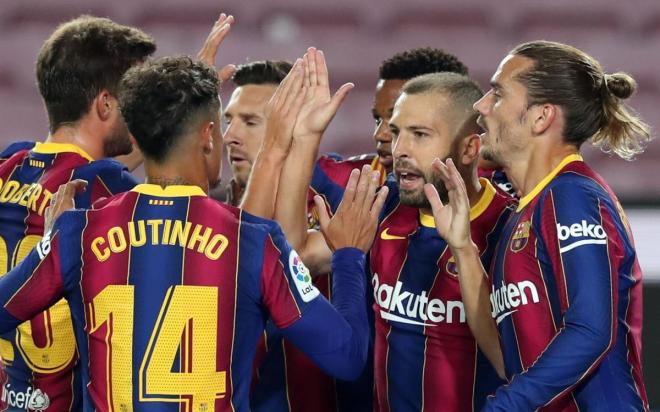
{"x": 469, "y": 149}
{"x": 543, "y": 116}
{"x": 207, "y": 136}
{"x": 103, "y": 104}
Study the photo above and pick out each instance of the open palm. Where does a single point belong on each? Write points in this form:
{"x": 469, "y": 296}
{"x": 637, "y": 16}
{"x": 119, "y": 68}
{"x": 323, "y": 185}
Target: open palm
{"x": 319, "y": 106}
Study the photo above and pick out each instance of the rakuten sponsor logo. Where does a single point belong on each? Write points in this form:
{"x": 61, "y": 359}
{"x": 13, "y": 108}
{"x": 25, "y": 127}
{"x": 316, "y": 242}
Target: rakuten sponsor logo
{"x": 397, "y": 305}
{"x": 583, "y": 233}
{"x": 509, "y": 296}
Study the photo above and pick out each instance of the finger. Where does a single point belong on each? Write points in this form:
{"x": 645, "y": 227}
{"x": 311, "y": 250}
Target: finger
{"x": 340, "y": 96}
{"x": 313, "y": 66}
{"x": 282, "y": 91}
{"x": 321, "y": 66}
{"x": 378, "y": 204}
{"x": 324, "y": 218}
{"x": 458, "y": 197}
{"x": 433, "y": 197}
{"x": 442, "y": 169}
{"x": 307, "y": 65}
{"x": 295, "y": 87}
{"x": 79, "y": 185}
{"x": 363, "y": 185}
{"x": 351, "y": 186}
{"x": 279, "y": 91}
{"x": 371, "y": 190}
{"x": 225, "y": 74}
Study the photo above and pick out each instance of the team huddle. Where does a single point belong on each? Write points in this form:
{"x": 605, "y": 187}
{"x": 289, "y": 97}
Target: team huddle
{"x": 475, "y": 262}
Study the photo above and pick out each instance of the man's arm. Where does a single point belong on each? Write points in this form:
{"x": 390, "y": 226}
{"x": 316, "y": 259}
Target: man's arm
{"x": 335, "y": 336}
{"x": 319, "y": 108}
{"x": 453, "y": 224}
{"x": 282, "y": 111}
{"x": 36, "y": 283}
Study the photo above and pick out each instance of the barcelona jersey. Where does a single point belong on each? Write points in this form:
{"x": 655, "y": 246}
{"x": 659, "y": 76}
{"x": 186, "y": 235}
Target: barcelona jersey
{"x": 169, "y": 291}
{"x": 286, "y": 378}
{"x": 426, "y": 358}
{"x": 38, "y": 357}
{"x": 567, "y": 298}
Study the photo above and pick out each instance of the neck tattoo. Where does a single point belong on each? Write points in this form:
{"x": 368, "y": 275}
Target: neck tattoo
{"x": 163, "y": 182}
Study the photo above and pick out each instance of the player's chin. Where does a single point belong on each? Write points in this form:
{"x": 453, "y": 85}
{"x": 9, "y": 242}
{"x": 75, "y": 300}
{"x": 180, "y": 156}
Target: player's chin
{"x": 414, "y": 198}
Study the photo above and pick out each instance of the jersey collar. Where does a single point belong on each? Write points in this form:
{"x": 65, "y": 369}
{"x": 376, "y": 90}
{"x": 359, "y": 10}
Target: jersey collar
{"x": 546, "y": 180}
{"x": 169, "y": 191}
{"x": 475, "y": 211}
{"x": 51, "y": 148}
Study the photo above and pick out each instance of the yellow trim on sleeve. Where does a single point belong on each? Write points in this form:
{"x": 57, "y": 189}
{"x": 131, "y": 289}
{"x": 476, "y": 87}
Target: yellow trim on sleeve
{"x": 546, "y": 180}
{"x": 475, "y": 211}
{"x": 51, "y": 148}
{"x": 169, "y": 191}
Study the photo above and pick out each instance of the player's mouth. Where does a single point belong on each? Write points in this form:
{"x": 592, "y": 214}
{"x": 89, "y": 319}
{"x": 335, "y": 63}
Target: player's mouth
{"x": 238, "y": 159}
{"x": 409, "y": 179}
{"x": 385, "y": 158}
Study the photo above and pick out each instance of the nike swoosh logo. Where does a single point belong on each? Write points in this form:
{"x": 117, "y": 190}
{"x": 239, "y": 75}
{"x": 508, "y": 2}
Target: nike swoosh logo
{"x": 386, "y": 236}
{"x": 504, "y": 315}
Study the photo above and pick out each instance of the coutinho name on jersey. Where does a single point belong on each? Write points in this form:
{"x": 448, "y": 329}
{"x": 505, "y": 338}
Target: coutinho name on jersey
{"x": 160, "y": 232}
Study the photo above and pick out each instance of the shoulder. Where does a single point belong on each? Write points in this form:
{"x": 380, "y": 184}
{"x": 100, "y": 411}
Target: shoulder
{"x": 113, "y": 176}
{"x": 339, "y": 169}
{"x": 16, "y": 147}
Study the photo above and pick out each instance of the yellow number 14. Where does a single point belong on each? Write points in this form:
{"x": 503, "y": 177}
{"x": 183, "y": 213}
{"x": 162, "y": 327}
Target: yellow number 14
{"x": 186, "y": 325}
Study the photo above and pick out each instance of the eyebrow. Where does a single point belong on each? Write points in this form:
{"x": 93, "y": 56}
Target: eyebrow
{"x": 416, "y": 127}
{"x": 495, "y": 85}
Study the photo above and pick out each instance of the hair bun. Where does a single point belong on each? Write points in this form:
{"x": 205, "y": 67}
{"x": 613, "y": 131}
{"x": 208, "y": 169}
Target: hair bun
{"x": 620, "y": 84}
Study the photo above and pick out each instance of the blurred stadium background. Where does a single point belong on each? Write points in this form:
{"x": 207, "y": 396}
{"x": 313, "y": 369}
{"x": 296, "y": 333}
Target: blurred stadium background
{"x": 356, "y": 36}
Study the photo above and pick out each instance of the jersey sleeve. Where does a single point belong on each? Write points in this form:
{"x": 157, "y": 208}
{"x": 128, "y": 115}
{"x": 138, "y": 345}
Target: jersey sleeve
{"x": 14, "y": 148}
{"x": 106, "y": 178}
{"x": 329, "y": 181}
{"x": 334, "y": 336}
{"x": 585, "y": 243}
{"x": 43, "y": 277}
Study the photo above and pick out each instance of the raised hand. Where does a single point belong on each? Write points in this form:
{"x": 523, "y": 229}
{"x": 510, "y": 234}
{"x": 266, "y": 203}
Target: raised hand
{"x": 62, "y": 201}
{"x": 319, "y": 106}
{"x": 356, "y": 220}
{"x": 210, "y": 47}
{"x": 284, "y": 108}
{"x": 453, "y": 219}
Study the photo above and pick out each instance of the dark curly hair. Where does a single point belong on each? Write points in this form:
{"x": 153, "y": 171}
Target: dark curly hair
{"x": 415, "y": 62}
{"x": 163, "y": 98}
{"x": 83, "y": 57}
{"x": 261, "y": 72}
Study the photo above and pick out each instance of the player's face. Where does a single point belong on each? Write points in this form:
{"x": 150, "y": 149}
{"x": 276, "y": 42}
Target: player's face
{"x": 214, "y": 159}
{"x": 503, "y": 110}
{"x": 387, "y": 91}
{"x": 422, "y": 131}
{"x": 246, "y": 127}
{"x": 117, "y": 142}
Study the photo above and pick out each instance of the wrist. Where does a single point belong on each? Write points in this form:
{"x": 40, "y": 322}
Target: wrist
{"x": 271, "y": 155}
{"x": 468, "y": 251}
{"x": 308, "y": 140}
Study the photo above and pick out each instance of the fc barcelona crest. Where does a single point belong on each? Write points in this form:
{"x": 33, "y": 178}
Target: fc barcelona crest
{"x": 451, "y": 267}
{"x": 520, "y": 236}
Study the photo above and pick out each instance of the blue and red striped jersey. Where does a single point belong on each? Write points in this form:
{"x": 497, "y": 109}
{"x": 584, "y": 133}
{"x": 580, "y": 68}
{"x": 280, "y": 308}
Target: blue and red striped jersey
{"x": 169, "y": 291}
{"x": 286, "y": 379}
{"x": 567, "y": 298}
{"x": 39, "y": 357}
{"x": 426, "y": 358}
